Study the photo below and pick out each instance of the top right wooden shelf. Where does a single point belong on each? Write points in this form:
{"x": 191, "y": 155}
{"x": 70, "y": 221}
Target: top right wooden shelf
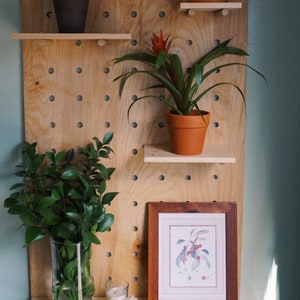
{"x": 211, "y": 6}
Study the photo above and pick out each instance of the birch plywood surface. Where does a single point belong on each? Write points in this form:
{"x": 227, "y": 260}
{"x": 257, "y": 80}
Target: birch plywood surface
{"x": 69, "y": 97}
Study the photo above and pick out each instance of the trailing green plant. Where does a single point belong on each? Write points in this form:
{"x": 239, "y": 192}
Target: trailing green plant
{"x": 167, "y": 70}
{"x": 62, "y": 194}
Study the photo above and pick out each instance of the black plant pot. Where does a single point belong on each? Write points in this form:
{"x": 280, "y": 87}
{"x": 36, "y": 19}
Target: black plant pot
{"x": 71, "y": 15}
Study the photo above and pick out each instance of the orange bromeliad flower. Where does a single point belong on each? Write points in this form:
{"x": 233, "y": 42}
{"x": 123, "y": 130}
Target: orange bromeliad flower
{"x": 160, "y": 44}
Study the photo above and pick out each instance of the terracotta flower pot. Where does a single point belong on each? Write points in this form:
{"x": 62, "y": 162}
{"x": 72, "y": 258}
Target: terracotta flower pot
{"x": 71, "y": 15}
{"x": 187, "y": 133}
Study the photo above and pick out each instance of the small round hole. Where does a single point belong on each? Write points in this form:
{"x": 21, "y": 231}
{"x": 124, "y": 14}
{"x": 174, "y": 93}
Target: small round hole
{"x": 52, "y": 124}
{"x": 161, "y": 177}
{"x": 79, "y": 97}
{"x": 188, "y": 177}
{"x": 106, "y": 97}
{"x": 51, "y": 98}
{"x": 162, "y": 14}
{"x": 134, "y": 97}
{"x": 51, "y": 70}
{"x": 217, "y": 42}
{"x": 134, "y": 125}
{"x": 105, "y": 14}
{"x": 133, "y": 42}
{"x": 216, "y": 97}
{"x": 134, "y": 203}
{"x": 134, "y": 151}
{"x": 133, "y": 14}
{"x": 135, "y": 254}
{"x": 78, "y": 70}
{"x": 189, "y": 42}
{"x": 215, "y": 177}
{"x": 135, "y": 278}
{"x": 49, "y": 14}
{"x": 106, "y": 124}
{"x": 106, "y": 70}
{"x": 79, "y": 124}
{"x": 161, "y": 124}
{"x": 108, "y": 254}
{"x": 216, "y": 124}
{"x": 134, "y": 228}
{"x": 78, "y": 42}
{"x": 134, "y": 177}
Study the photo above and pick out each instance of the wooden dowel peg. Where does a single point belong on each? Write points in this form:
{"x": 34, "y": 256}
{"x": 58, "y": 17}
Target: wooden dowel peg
{"x": 191, "y": 12}
{"x": 102, "y": 43}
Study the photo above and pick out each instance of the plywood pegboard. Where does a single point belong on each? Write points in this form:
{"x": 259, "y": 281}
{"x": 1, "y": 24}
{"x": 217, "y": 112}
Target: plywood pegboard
{"x": 69, "y": 97}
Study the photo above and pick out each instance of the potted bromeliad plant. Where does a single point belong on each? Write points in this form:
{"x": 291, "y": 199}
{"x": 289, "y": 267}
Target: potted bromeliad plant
{"x": 183, "y": 88}
{"x": 62, "y": 195}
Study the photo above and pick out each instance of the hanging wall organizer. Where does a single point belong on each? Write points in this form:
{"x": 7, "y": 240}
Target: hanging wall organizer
{"x": 69, "y": 97}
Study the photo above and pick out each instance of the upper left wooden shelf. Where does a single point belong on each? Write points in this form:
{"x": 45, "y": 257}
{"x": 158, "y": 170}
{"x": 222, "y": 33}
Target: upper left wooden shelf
{"x": 71, "y": 36}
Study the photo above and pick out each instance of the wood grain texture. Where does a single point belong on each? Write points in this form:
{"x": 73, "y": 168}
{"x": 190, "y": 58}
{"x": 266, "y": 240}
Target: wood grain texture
{"x": 57, "y": 73}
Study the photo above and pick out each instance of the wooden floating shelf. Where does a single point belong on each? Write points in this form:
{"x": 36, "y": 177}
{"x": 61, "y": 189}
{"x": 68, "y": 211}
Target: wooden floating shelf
{"x": 162, "y": 154}
{"x": 212, "y": 6}
{"x": 71, "y": 36}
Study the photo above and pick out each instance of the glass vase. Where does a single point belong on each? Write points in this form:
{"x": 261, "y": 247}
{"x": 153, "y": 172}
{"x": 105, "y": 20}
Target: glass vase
{"x": 71, "y": 275}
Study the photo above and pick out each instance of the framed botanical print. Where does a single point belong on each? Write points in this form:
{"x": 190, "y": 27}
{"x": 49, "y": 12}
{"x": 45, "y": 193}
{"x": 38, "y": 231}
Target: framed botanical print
{"x": 192, "y": 251}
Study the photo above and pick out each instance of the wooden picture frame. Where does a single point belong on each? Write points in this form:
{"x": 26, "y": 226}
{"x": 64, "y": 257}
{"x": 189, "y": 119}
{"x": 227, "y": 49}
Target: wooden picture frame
{"x": 192, "y": 251}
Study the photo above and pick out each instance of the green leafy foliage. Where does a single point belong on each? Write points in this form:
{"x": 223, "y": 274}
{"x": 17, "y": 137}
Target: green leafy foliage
{"x": 62, "y": 194}
{"x": 167, "y": 70}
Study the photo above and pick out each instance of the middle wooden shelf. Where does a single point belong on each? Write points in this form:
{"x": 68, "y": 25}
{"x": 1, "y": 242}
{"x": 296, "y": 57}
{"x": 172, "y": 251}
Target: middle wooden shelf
{"x": 162, "y": 154}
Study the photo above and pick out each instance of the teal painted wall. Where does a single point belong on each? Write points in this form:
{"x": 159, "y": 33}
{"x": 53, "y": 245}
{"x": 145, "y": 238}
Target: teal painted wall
{"x": 271, "y": 201}
{"x": 271, "y": 232}
{"x": 13, "y": 258}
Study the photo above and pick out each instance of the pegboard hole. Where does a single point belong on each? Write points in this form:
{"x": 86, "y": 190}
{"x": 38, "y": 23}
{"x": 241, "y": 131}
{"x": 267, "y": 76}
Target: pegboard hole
{"x": 78, "y": 42}
{"x": 216, "y": 97}
{"x": 162, "y": 14}
{"x": 216, "y": 124}
{"x": 49, "y": 14}
{"x": 106, "y": 70}
{"x": 215, "y": 177}
{"x": 135, "y": 278}
{"x": 79, "y": 124}
{"x": 133, "y": 42}
{"x": 52, "y": 124}
{"x": 161, "y": 124}
{"x": 217, "y": 42}
{"x": 134, "y": 125}
{"x": 106, "y": 124}
{"x": 105, "y": 14}
{"x": 108, "y": 254}
{"x": 51, "y": 70}
{"x": 106, "y": 97}
{"x": 134, "y": 177}
{"x": 188, "y": 177}
{"x": 134, "y": 97}
{"x": 78, "y": 70}
{"x": 135, "y": 254}
{"x": 189, "y": 42}
{"x": 161, "y": 177}
{"x": 133, "y": 14}
{"x": 134, "y": 228}
{"x": 134, "y": 151}
{"x": 51, "y": 98}
{"x": 79, "y": 98}
{"x": 134, "y": 203}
